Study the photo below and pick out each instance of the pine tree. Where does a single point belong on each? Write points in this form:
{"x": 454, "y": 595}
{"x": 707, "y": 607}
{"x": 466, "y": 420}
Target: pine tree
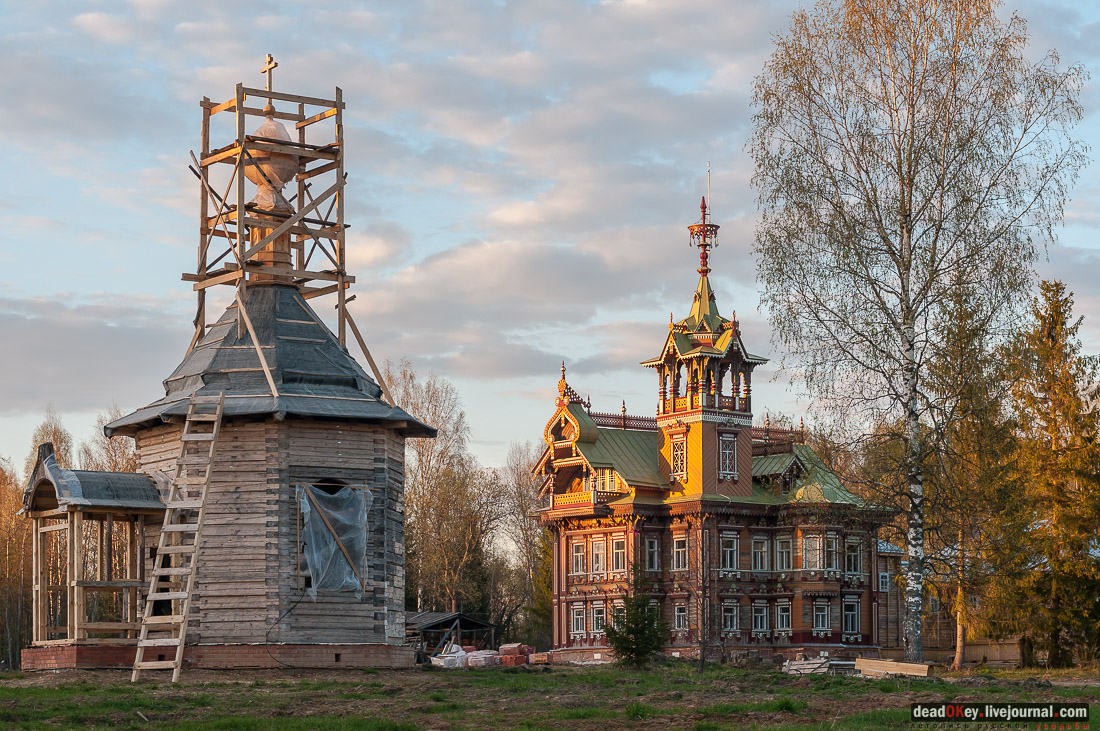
{"x": 1060, "y": 471}
{"x": 637, "y": 632}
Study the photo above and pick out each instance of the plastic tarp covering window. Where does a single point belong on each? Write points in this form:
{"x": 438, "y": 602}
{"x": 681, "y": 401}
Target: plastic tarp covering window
{"x": 329, "y": 521}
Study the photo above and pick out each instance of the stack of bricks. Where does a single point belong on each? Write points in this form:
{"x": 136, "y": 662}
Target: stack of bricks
{"x": 539, "y": 658}
{"x": 513, "y": 655}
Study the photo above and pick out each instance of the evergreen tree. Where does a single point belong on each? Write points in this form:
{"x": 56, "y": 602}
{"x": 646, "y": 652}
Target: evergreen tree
{"x": 1052, "y": 601}
{"x": 974, "y": 507}
{"x": 637, "y": 632}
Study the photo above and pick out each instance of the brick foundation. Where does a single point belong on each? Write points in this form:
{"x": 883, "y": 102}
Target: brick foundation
{"x": 64, "y": 657}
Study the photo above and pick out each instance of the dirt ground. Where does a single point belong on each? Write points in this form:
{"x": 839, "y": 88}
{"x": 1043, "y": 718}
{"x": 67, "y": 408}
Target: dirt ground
{"x": 557, "y": 697}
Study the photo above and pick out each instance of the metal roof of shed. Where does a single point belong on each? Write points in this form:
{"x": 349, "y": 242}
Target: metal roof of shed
{"x": 90, "y": 488}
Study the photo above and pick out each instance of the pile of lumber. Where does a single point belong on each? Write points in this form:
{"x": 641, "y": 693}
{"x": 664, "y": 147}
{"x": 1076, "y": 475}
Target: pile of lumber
{"x": 884, "y": 668}
{"x": 811, "y": 666}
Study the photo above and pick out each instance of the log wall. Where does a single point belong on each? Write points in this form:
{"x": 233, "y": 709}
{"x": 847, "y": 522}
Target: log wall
{"x": 249, "y": 588}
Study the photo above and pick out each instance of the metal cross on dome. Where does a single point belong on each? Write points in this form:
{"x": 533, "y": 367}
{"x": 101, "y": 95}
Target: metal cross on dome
{"x": 270, "y": 64}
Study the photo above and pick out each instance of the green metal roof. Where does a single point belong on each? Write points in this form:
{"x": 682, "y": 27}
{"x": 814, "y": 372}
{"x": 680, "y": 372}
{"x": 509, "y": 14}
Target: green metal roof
{"x": 820, "y": 484}
{"x": 772, "y": 464}
{"x": 630, "y": 452}
{"x": 704, "y": 310}
{"x": 587, "y": 430}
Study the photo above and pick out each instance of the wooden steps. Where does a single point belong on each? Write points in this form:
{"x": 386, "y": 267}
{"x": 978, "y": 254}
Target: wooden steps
{"x": 173, "y": 576}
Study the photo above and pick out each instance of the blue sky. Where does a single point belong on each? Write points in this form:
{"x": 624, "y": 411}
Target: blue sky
{"x": 521, "y": 177}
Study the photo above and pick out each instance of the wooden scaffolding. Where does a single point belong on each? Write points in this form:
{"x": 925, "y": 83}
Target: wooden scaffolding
{"x": 314, "y": 226}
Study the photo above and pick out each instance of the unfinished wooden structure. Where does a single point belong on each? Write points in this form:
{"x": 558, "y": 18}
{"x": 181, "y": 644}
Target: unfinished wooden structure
{"x": 303, "y": 428}
{"x": 88, "y": 539}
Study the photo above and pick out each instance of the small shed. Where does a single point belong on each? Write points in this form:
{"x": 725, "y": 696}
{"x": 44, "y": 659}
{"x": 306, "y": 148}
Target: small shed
{"x": 88, "y": 539}
{"x": 431, "y": 631}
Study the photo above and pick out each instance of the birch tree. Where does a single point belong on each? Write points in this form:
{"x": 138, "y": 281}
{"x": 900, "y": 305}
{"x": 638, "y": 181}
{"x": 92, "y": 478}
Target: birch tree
{"x": 902, "y": 146}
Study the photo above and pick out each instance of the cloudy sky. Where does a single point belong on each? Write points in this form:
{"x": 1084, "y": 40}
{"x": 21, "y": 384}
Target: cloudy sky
{"x": 521, "y": 174}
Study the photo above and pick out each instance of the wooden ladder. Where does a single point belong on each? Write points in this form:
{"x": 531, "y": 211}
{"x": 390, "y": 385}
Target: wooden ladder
{"x": 173, "y": 577}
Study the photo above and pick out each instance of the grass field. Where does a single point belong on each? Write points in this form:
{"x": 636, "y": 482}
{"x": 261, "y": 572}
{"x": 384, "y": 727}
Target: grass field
{"x": 533, "y": 697}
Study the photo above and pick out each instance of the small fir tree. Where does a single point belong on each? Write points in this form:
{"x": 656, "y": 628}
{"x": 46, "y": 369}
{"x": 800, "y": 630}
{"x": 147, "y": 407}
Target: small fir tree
{"x": 637, "y": 632}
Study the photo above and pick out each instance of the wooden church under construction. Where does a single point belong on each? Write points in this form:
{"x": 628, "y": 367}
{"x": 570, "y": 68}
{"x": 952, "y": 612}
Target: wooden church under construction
{"x": 266, "y": 524}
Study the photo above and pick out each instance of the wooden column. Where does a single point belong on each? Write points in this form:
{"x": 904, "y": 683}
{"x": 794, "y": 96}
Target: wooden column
{"x": 70, "y": 576}
{"x": 36, "y": 586}
{"x": 79, "y": 575}
{"x": 341, "y": 259}
{"x": 242, "y": 237}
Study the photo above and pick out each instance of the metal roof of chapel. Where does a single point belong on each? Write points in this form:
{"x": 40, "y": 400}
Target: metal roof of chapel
{"x": 314, "y": 375}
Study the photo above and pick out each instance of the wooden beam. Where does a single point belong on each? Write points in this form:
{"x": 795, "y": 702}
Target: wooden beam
{"x": 283, "y": 96}
{"x": 259, "y": 351}
{"x": 306, "y": 174}
{"x": 221, "y": 279}
{"x": 373, "y": 366}
{"x": 308, "y": 293}
{"x": 316, "y": 118}
{"x": 298, "y": 215}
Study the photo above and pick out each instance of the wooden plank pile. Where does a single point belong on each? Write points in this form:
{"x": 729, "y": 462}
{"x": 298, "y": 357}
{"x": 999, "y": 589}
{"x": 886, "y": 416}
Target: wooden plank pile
{"x": 811, "y": 666}
{"x": 886, "y": 668}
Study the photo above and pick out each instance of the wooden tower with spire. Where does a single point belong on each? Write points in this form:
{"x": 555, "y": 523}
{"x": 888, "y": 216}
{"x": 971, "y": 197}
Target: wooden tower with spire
{"x": 704, "y": 395}
{"x": 282, "y": 541}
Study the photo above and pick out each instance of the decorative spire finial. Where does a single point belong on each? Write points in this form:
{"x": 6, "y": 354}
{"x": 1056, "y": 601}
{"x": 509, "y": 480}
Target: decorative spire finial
{"x": 563, "y": 370}
{"x": 704, "y": 235}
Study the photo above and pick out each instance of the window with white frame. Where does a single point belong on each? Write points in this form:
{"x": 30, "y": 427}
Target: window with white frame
{"x": 599, "y": 556}
{"x": 811, "y": 552}
{"x": 729, "y": 552}
{"x": 934, "y": 605}
{"x": 680, "y": 554}
{"x": 884, "y": 581}
{"x": 578, "y": 620}
{"x": 783, "y": 554}
{"x": 821, "y": 616}
{"x": 851, "y": 557}
{"x": 607, "y": 481}
{"x": 652, "y": 554}
{"x": 679, "y": 458}
{"x": 578, "y": 558}
{"x": 783, "y": 617}
{"x": 599, "y": 616}
{"x": 851, "y": 617}
{"x": 729, "y": 617}
{"x": 727, "y": 457}
{"x": 759, "y": 618}
{"x": 759, "y": 554}
{"x": 618, "y": 554}
{"x": 832, "y": 559}
{"x": 681, "y": 618}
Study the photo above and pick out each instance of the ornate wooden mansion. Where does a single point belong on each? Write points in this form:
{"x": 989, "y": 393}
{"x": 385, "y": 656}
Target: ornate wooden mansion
{"x": 746, "y": 539}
